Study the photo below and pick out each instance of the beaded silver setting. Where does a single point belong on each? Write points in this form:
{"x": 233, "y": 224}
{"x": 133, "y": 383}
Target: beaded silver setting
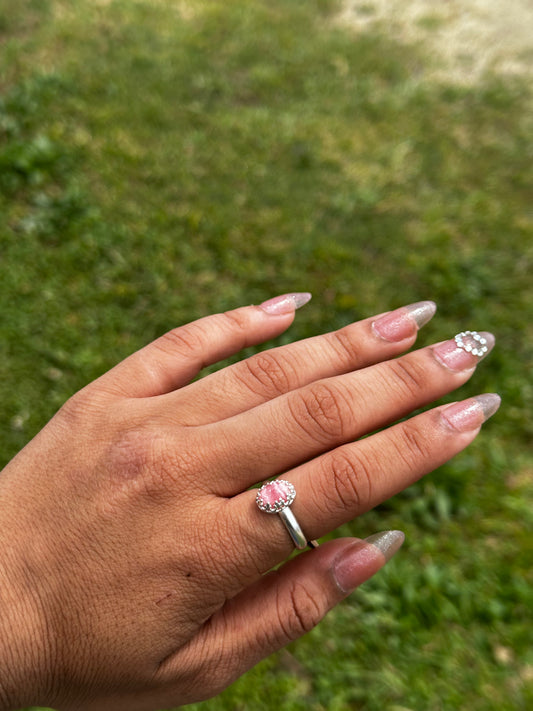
{"x": 472, "y": 342}
{"x": 274, "y": 496}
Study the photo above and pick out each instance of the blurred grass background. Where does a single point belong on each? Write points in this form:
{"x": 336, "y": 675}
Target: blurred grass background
{"x": 163, "y": 160}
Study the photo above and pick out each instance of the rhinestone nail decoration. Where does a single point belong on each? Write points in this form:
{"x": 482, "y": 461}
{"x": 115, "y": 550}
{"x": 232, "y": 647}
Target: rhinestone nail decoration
{"x": 472, "y": 342}
{"x": 275, "y": 495}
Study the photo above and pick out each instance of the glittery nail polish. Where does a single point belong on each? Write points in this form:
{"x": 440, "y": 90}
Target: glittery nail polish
{"x": 347, "y": 569}
{"x": 405, "y": 321}
{"x": 285, "y": 304}
{"x": 472, "y": 413}
{"x": 388, "y": 542}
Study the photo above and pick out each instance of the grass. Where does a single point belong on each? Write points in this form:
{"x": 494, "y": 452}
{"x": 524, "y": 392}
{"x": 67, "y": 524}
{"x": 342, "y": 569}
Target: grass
{"x": 163, "y": 160}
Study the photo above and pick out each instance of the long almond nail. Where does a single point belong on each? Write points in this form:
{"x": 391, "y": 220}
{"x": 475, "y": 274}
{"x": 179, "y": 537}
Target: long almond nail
{"x": 285, "y": 304}
{"x": 405, "y": 321}
{"x": 470, "y": 414}
{"x": 347, "y": 569}
{"x": 465, "y": 350}
{"x": 388, "y": 542}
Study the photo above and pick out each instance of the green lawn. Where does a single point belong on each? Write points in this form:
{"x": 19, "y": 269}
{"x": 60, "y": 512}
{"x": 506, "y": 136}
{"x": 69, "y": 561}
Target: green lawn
{"x": 163, "y": 160}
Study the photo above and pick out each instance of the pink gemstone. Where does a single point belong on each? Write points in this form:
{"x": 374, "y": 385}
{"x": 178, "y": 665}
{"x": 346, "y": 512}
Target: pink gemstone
{"x": 275, "y": 495}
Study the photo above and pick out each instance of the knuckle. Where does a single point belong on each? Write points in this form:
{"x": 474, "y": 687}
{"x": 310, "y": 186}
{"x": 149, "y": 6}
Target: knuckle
{"x": 321, "y": 411}
{"x": 345, "y": 347}
{"x": 298, "y": 611}
{"x": 195, "y": 337}
{"x": 204, "y": 665}
{"x": 78, "y": 409}
{"x": 71, "y": 414}
{"x": 412, "y": 446}
{"x": 350, "y": 482}
{"x": 265, "y": 374}
{"x": 236, "y": 320}
{"x": 409, "y": 375}
{"x": 184, "y": 340}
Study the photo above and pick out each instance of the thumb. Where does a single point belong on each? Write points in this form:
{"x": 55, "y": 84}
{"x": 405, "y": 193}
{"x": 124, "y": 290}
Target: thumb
{"x": 288, "y": 602}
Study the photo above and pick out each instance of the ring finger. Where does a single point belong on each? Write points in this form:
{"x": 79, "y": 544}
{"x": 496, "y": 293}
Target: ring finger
{"x": 304, "y": 423}
{"x": 344, "y": 483}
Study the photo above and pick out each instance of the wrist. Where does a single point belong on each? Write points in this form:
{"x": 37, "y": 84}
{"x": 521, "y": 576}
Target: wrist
{"x": 23, "y": 652}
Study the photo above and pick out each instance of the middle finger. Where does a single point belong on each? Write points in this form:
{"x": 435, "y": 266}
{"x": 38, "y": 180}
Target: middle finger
{"x": 298, "y": 426}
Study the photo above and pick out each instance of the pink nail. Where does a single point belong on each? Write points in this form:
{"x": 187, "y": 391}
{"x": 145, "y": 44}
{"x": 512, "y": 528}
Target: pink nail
{"x": 348, "y": 567}
{"x": 472, "y": 413}
{"x": 465, "y": 350}
{"x": 285, "y": 304}
{"x": 404, "y": 322}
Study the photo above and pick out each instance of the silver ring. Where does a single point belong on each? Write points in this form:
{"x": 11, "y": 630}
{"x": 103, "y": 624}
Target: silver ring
{"x": 276, "y": 496}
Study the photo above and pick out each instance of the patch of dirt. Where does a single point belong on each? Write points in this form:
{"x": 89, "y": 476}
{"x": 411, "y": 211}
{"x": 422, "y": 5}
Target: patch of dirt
{"x": 471, "y": 37}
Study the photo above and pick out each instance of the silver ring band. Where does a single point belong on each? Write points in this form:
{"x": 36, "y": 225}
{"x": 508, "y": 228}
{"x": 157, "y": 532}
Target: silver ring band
{"x": 276, "y": 496}
{"x": 293, "y": 527}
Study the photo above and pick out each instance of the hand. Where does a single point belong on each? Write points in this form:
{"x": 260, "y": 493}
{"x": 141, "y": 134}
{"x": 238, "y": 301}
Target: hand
{"x": 134, "y": 558}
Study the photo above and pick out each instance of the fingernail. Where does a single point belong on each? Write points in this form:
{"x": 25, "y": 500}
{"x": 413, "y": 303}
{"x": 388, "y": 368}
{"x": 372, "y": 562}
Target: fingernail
{"x": 347, "y": 569}
{"x": 465, "y": 350}
{"x": 472, "y": 413}
{"x": 285, "y": 304}
{"x": 388, "y": 542}
{"x": 405, "y": 321}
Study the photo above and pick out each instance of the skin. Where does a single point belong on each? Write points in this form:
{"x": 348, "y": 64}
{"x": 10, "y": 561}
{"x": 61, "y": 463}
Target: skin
{"x": 134, "y": 559}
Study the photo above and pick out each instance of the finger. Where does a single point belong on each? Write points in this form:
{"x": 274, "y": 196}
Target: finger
{"x": 266, "y": 375}
{"x": 342, "y": 484}
{"x": 355, "y": 478}
{"x": 282, "y": 606}
{"x": 174, "y": 359}
{"x": 304, "y": 423}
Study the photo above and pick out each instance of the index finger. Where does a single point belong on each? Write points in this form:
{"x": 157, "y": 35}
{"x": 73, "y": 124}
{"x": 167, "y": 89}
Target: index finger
{"x": 275, "y": 372}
